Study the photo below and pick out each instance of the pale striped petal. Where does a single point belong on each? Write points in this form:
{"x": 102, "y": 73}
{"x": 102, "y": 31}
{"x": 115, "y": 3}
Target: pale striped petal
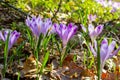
{"x": 1, "y": 36}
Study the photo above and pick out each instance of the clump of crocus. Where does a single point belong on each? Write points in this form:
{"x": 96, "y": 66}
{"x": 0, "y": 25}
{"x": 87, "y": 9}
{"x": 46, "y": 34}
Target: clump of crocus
{"x": 106, "y": 51}
{"x": 38, "y": 25}
{"x": 65, "y": 32}
{"x": 14, "y": 35}
{"x": 93, "y": 32}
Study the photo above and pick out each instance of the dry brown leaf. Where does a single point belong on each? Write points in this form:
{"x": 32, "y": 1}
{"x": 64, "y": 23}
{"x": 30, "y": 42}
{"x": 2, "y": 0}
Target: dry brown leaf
{"x": 70, "y": 70}
{"x": 30, "y": 64}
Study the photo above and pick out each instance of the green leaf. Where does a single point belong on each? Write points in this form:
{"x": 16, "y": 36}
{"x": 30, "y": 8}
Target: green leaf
{"x": 44, "y": 61}
{"x": 6, "y": 54}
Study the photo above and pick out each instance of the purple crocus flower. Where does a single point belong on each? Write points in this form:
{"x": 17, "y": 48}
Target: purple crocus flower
{"x": 91, "y": 17}
{"x": 14, "y": 35}
{"x": 106, "y": 50}
{"x": 113, "y": 10}
{"x": 38, "y": 26}
{"x": 94, "y": 32}
{"x": 65, "y": 32}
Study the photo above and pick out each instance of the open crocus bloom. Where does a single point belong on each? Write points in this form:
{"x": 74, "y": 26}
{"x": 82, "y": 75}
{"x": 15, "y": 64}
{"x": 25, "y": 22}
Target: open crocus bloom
{"x": 14, "y": 35}
{"x": 94, "y": 32}
{"x": 106, "y": 51}
{"x": 65, "y": 32}
{"x": 38, "y": 26}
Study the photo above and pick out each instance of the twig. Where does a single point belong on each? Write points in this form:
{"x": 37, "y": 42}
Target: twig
{"x": 59, "y": 5}
{"x": 17, "y": 9}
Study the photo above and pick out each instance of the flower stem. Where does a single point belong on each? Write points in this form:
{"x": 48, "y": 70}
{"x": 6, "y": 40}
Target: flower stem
{"x": 98, "y": 62}
{"x": 62, "y": 56}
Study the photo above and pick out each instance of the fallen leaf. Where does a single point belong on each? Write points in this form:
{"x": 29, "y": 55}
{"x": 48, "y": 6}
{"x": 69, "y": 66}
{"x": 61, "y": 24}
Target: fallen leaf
{"x": 29, "y": 67}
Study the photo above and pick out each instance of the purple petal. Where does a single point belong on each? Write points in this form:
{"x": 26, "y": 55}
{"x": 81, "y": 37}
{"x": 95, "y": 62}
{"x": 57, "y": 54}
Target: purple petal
{"x": 33, "y": 19}
{"x": 57, "y": 29}
{"x": 63, "y": 29}
{"x": 104, "y": 49}
{"x": 92, "y": 32}
{"x": 1, "y": 36}
{"x": 90, "y": 28}
{"x": 72, "y": 32}
{"x": 113, "y": 10}
{"x": 83, "y": 28}
{"x": 70, "y": 25}
{"x": 114, "y": 53}
{"x": 103, "y": 52}
{"x": 91, "y": 17}
{"x": 56, "y": 25}
{"x": 61, "y": 25}
{"x": 98, "y": 29}
{"x": 13, "y": 38}
{"x": 6, "y": 34}
{"x": 111, "y": 47}
{"x": 47, "y": 27}
{"x": 92, "y": 50}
